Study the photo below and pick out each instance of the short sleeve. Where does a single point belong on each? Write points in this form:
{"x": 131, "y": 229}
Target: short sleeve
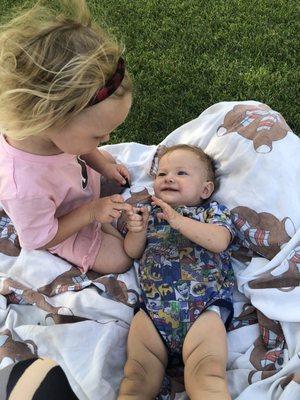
{"x": 220, "y": 215}
{"x": 34, "y": 220}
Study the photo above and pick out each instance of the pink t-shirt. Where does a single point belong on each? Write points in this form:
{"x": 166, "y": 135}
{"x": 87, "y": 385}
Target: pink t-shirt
{"x": 36, "y": 190}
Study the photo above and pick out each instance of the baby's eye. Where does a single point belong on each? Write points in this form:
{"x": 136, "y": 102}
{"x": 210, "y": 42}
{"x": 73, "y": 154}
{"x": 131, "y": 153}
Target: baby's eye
{"x": 161, "y": 174}
{"x": 181, "y": 173}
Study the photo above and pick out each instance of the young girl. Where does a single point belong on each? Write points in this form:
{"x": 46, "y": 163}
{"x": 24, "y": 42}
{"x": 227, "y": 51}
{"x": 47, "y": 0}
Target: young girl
{"x": 63, "y": 89}
{"x": 186, "y": 280}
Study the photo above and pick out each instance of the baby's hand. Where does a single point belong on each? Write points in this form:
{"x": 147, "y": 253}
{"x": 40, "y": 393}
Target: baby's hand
{"x": 106, "y": 209}
{"x": 116, "y": 172}
{"x": 137, "y": 219}
{"x": 168, "y": 213}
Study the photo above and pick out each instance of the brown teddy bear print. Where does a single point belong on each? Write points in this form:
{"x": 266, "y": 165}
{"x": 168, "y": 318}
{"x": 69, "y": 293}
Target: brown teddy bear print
{"x": 246, "y": 317}
{"x": 57, "y": 319}
{"x": 268, "y": 352}
{"x": 258, "y": 123}
{"x": 142, "y": 197}
{"x": 18, "y": 293}
{"x": 255, "y": 376}
{"x": 116, "y": 290}
{"x": 262, "y": 232}
{"x": 108, "y": 286}
{"x": 286, "y": 380}
{"x": 9, "y": 242}
{"x": 285, "y": 277}
{"x": 14, "y": 349}
{"x": 72, "y": 280}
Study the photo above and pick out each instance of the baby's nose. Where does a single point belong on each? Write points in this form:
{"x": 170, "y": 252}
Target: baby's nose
{"x": 169, "y": 178}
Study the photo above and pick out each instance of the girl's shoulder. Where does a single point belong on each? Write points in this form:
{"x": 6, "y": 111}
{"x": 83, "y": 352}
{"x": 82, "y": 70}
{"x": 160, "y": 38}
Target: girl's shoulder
{"x": 25, "y": 175}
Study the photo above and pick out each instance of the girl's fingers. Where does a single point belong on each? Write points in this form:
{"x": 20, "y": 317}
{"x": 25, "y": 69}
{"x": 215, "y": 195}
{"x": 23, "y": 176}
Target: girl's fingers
{"x": 138, "y": 213}
{"x": 117, "y": 198}
{"x": 123, "y": 174}
{"x": 122, "y": 206}
{"x": 124, "y": 171}
{"x": 119, "y": 178}
{"x": 115, "y": 214}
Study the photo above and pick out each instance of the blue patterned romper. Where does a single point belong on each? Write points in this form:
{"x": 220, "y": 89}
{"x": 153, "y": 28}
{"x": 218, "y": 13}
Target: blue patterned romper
{"x": 180, "y": 279}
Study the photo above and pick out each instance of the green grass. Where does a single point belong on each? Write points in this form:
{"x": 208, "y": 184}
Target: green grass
{"x": 186, "y": 55}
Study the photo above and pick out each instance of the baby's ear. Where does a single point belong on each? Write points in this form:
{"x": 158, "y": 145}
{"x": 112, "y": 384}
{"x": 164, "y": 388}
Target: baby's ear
{"x": 207, "y": 190}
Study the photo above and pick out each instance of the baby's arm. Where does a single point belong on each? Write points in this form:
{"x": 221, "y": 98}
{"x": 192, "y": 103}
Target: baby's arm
{"x": 104, "y": 163}
{"x": 135, "y": 239}
{"x": 212, "y": 237}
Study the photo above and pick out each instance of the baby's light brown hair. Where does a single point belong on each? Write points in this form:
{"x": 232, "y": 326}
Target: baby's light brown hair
{"x": 51, "y": 65}
{"x": 203, "y": 157}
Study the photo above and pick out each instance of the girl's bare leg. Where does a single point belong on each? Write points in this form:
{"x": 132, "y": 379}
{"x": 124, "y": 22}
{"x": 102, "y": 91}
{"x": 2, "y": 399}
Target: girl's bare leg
{"x": 111, "y": 258}
{"x": 146, "y": 361}
{"x": 205, "y": 357}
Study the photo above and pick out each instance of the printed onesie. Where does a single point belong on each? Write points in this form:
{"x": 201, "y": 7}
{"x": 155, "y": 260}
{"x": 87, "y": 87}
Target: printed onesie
{"x": 180, "y": 279}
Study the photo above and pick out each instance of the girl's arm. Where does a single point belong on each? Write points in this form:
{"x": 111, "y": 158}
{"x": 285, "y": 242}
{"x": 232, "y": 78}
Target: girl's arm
{"x": 69, "y": 224}
{"x": 103, "y": 210}
{"x": 98, "y": 159}
{"x": 104, "y": 163}
{"x": 212, "y": 237}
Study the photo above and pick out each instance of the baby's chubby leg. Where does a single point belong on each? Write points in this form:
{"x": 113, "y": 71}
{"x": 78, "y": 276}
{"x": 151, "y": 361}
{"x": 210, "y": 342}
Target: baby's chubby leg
{"x": 205, "y": 356}
{"x": 146, "y": 361}
{"x": 111, "y": 258}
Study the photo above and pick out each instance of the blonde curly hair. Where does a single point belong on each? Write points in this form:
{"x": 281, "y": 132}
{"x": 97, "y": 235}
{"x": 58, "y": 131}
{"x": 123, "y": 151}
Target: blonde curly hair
{"x": 203, "y": 157}
{"x": 51, "y": 65}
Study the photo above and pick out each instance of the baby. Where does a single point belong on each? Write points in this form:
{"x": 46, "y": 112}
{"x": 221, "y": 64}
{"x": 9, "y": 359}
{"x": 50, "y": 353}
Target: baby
{"x": 186, "y": 279}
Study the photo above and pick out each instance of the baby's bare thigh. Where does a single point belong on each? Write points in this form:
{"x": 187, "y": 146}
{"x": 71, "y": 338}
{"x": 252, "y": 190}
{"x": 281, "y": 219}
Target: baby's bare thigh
{"x": 111, "y": 257}
{"x": 144, "y": 343}
{"x": 208, "y": 337}
{"x": 205, "y": 358}
{"x": 146, "y": 360}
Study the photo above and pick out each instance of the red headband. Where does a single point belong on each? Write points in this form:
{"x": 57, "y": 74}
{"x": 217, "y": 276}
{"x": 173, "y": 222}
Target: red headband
{"x": 111, "y": 85}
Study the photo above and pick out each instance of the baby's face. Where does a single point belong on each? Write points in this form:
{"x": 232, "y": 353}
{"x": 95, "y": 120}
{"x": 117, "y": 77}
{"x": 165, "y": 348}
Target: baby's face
{"x": 182, "y": 179}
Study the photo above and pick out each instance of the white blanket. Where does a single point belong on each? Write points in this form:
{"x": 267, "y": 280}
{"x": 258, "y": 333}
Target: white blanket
{"x": 82, "y": 321}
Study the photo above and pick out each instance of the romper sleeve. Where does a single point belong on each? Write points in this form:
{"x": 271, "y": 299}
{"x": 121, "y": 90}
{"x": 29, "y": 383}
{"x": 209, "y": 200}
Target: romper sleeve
{"x": 219, "y": 214}
{"x": 34, "y": 220}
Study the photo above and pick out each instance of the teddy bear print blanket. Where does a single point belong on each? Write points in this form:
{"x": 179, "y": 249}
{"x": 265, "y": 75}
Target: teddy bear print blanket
{"x": 48, "y": 308}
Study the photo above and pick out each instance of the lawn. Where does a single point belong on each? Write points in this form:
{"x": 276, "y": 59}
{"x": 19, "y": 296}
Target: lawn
{"x": 185, "y": 55}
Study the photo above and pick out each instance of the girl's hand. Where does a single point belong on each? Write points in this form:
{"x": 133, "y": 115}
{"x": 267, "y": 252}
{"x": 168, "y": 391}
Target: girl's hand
{"x": 137, "y": 219}
{"x": 168, "y": 213}
{"x": 106, "y": 209}
{"x": 116, "y": 172}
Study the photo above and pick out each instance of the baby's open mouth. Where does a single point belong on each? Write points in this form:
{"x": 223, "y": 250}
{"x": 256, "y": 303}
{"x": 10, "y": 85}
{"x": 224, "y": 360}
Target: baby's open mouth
{"x": 169, "y": 190}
